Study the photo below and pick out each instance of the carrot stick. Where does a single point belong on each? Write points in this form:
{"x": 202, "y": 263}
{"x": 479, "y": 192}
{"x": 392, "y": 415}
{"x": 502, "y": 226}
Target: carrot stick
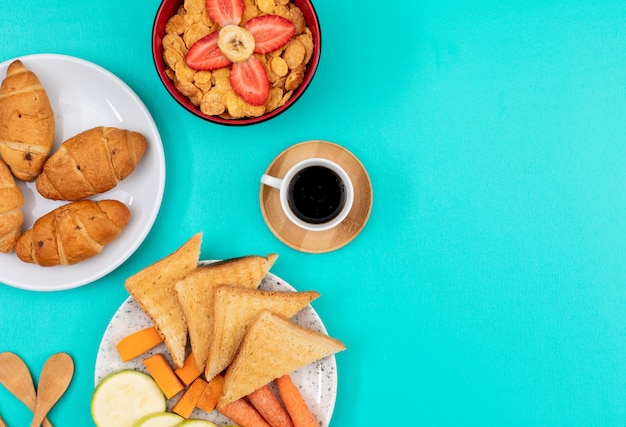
{"x": 162, "y": 372}
{"x": 269, "y": 407}
{"x": 211, "y": 394}
{"x": 138, "y": 343}
{"x": 296, "y": 406}
{"x": 188, "y": 372}
{"x": 242, "y": 413}
{"x": 187, "y": 402}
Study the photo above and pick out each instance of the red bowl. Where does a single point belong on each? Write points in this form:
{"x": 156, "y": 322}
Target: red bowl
{"x": 168, "y": 8}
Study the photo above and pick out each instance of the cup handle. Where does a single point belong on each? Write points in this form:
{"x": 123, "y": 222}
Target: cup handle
{"x": 271, "y": 181}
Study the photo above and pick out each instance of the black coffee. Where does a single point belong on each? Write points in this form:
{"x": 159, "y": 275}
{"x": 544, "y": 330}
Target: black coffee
{"x": 316, "y": 194}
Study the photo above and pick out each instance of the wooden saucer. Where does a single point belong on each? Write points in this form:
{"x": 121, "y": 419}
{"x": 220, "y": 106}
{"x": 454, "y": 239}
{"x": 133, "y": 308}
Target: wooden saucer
{"x": 317, "y": 241}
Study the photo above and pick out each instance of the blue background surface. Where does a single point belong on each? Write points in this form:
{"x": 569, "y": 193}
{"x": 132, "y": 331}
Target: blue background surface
{"x": 488, "y": 287}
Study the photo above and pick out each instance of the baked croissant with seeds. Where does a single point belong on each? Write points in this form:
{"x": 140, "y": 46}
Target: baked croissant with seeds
{"x": 26, "y": 122}
{"x": 73, "y": 232}
{"x": 11, "y": 216}
{"x": 92, "y": 162}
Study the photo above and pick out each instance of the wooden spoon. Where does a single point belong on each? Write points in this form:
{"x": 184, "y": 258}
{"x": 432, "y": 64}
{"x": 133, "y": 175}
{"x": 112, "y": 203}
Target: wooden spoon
{"x": 15, "y": 377}
{"x": 55, "y": 377}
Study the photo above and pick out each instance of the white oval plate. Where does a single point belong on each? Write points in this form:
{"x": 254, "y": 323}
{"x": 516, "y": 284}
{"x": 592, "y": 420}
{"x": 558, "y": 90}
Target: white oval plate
{"x": 84, "y": 95}
{"x": 317, "y": 382}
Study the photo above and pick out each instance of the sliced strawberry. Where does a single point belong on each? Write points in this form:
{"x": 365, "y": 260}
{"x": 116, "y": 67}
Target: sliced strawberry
{"x": 270, "y": 32}
{"x": 205, "y": 54}
{"x": 249, "y": 80}
{"x": 225, "y": 12}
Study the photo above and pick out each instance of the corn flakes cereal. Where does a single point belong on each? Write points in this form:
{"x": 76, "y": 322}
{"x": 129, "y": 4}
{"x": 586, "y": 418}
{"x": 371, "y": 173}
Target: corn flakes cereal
{"x": 190, "y": 90}
{"x": 276, "y": 96}
{"x": 212, "y": 104}
{"x": 195, "y": 32}
{"x": 253, "y": 110}
{"x": 277, "y": 52}
{"x": 195, "y": 18}
{"x": 296, "y": 16}
{"x": 274, "y": 79}
{"x": 294, "y": 54}
{"x": 212, "y": 108}
{"x": 172, "y": 57}
{"x": 177, "y": 24}
{"x": 285, "y": 98}
{"x": 183, "y": 72}
{"x": 250, "y": 11}
{"x": 202, "y": 80}
{"x": 211, "y": 91}
{"x": 306, "y": 39}
{"x": 194, "y": 6}
{"x": 221, "y": 78}
{"x": 282, "y": 10}
{"x": 222, "y": 73}
{"x": 294, "y": 79}
{"x": 266, "y": 6}
{"x": 234, "y": 105}
{"x": 174, "y": 41}
{"x": 280, "y": 82}
{"x": 279, "y": 66}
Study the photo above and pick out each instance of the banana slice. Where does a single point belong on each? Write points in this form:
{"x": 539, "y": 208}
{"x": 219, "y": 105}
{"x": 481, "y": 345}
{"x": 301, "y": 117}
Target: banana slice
{"x": 236, "y": 43}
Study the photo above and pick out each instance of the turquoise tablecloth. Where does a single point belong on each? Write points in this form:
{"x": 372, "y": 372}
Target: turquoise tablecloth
{"x": 488, "y": 287}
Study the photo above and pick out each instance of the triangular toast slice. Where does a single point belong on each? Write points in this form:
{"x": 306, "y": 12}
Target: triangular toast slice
{"x": 195, "y": 295}
{"x": 234, "y": 309}
{"x": 272, "y": 347}
{"x": 153, "y": 289}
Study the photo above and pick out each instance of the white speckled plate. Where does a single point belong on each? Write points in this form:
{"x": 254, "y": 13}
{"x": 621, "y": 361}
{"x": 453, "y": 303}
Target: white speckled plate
{"x": 84, "y": 95}
{"x": 317, "y": 382}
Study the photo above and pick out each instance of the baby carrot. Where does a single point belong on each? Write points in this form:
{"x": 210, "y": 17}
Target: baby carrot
{"x": 242, "y": 413}
{"x": 269, "y": 407}
{"x": 296, "y": 406}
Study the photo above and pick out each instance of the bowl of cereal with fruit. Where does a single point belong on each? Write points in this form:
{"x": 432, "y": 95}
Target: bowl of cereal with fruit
{"x": 236, "y": 62}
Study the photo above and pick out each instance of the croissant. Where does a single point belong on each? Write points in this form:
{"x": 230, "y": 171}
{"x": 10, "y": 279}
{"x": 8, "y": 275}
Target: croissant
{"x": 26, "y": 122}
{"x": 92, "y": 162}
{"x": 73, "y": 232}
{"x": 11, "y": 216}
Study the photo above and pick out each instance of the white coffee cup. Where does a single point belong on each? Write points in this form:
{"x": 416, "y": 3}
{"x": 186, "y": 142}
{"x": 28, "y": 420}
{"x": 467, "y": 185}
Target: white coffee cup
{"x": 316, "y": 194}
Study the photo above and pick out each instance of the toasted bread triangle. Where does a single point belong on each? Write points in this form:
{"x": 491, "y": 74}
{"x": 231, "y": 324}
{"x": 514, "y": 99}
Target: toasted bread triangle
{"x": 195, "y": 295}
{"x": 153, "y": 289}
{"x": 234, "y": 309}
{"x": 272, "y": 347}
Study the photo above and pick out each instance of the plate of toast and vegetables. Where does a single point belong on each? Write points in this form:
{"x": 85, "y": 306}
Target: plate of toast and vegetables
{"x": 82, "y": 172}
{"x": 214, "y": 343}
